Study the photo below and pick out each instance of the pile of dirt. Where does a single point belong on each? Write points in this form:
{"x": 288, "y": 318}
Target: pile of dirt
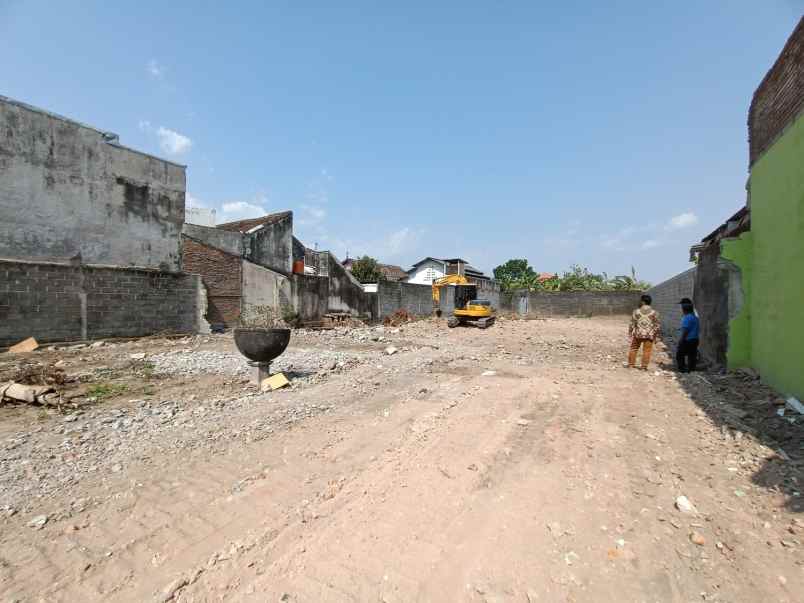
{"x": 398, "y": 318}
{"x": 37, "y": 374}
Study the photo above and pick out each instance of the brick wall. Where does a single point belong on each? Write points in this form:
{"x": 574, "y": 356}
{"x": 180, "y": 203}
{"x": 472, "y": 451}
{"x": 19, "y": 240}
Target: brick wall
{"x": 779, "y": 97}
{"x": 570, "y": 303}
{"x": 666, "y": 296}
{"x": 221, "y": 274}
{"x": 58, "y": 302}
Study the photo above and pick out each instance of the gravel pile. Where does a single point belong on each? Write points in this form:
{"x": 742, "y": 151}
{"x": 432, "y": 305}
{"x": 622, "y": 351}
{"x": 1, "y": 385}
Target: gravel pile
{"x": 299, "y": 362}
{"x": 35, "y": 466}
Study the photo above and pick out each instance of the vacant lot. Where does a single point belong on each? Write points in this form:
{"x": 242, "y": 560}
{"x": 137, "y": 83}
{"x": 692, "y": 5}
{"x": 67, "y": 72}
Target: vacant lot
{"x": 521, "y": 463}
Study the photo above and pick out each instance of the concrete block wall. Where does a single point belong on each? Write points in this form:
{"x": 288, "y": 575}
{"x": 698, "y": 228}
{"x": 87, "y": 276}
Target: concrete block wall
{"x": 393, "y": 296}
{"x": 71, "y": 192}
{"x": 346, "y": 294}
{"x": 44, "y": 301}
{"x": 272, "y": 245}
{"x": 264, "y": 291}
{"x": 61, "y": 302}
{"x": 310, "y": 295}
{"x": 712, "y": 304}
{"x": 570, "y": 303}
{"x": 666, "y": 296}
{"x": 231, "y": 242}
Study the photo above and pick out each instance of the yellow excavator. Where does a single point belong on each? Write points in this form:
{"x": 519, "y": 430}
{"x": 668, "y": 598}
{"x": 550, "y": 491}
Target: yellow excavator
{"x": 468, "y": 309}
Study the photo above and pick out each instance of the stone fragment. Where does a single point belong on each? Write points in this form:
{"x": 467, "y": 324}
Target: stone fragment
{"x": 684, "y": 505}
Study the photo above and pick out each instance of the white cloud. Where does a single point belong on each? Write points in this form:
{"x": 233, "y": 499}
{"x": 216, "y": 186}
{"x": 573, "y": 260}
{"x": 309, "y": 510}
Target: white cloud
{"x": 231, "y": 211}
{"x": 399, "y": 240}
{"x": 145, "y": 125}
{"x": 651, "y": 244}
{"x": 241, "y": 210}
{"x": 172, "y": 142}
{"x": 155, "y": 69}
{"x": 311, "y": 215}
{"x": 682, "y": 221}
{"x": 391, "y": 247}
{"x": 617, "y": 241}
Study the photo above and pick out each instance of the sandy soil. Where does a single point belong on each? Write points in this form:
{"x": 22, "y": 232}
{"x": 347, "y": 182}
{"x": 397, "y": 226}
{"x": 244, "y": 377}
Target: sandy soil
{"x": 521, "y": 463}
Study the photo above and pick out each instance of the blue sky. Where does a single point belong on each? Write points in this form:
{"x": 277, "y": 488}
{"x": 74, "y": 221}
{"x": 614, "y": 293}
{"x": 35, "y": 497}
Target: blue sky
{"x": 608, "y": 134}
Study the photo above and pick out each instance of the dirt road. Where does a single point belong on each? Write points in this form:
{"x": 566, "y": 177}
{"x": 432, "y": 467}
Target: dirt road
{"x": 522, "y": 463}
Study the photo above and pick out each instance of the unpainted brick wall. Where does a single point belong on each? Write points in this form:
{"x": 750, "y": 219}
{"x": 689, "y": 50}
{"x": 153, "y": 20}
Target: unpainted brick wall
{"x": 666, "y": 296}
{"x": 57, "y": 302}
{"x": 779, "y": 97}
{"x": 570, "y": 303}
{"x": 221, "y": 275}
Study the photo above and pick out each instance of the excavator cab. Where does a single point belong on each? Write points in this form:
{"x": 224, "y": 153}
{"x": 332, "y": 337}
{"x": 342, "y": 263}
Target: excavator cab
{"x": 468, "y": 309}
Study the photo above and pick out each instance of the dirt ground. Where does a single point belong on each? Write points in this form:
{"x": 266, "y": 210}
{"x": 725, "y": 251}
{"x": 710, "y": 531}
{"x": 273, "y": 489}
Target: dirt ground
{"x": 520, "y": 463}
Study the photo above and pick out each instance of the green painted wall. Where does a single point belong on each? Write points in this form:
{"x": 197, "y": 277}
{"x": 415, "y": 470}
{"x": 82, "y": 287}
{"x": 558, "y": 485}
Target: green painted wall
{"x": 777, "y": 287}
{"x": 740, "y": 251}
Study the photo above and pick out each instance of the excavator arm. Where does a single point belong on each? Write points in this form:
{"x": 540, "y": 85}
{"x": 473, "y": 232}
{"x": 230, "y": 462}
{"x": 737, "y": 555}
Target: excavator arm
{"x": 450, "y": 279}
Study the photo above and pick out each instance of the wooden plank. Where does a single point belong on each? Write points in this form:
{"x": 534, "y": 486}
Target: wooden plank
{"x": 27, "y": 345}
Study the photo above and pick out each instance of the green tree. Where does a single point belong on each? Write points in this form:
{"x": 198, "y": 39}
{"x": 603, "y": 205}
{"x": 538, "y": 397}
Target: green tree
{"x": 367, "y": 270}
{"x": 515, "y": 274}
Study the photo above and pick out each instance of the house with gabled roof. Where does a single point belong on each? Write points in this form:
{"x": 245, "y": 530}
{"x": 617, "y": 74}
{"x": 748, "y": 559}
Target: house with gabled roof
{"x": 425, "y": 271}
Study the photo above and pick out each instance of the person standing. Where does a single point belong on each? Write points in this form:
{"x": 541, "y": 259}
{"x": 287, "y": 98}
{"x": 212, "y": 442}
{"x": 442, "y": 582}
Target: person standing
{"x": 644, "y": 330}
{"x": 687, "y": 352}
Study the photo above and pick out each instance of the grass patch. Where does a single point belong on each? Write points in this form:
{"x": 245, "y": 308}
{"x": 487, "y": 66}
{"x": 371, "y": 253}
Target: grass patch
{"x": 106, "y": 390}
{"x": 147, "y": 369}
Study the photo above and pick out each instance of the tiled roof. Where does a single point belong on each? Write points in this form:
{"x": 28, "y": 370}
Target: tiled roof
{"x": 392, "y": 273}
{"x": 246, "y": 225}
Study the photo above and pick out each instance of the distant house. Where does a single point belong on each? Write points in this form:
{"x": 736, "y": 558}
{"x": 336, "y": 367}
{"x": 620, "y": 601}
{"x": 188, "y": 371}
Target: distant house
{"x": 393, "y": 273}
{"x": 425, "y": 271}
{"x": 390, "y": 271}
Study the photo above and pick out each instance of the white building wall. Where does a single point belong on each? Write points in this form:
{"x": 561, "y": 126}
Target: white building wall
{"x": 200, "y": 216}
{"x": 427, "y": 272}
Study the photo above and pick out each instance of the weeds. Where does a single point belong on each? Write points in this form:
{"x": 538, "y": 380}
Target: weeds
{"x": 102, "y": 391}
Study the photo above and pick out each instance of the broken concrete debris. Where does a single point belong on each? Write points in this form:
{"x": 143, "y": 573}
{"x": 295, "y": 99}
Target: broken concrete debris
{"x": 795, "y": 405}
{"x": 684, "y": 505}
{"x": 38, "y": 522}
{"x": 31, "y": 394}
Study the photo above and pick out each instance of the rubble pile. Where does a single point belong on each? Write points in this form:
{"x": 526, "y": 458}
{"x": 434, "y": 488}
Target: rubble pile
{"x": 298, "y": 362}
{"x": 398, "y": 318}
{"x": 100, "y": 441}
{"x": 33, "y": 383}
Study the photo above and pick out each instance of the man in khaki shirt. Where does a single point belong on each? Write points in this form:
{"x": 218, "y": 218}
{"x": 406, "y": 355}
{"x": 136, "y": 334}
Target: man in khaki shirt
{"x": 643, "y": 330}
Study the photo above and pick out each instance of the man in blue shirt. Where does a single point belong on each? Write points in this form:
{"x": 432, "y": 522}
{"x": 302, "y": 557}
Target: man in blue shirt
{"x": 687, "y": 353}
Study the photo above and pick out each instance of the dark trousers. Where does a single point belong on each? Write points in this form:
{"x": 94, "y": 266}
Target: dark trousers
{"x": 687, "y": 355}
